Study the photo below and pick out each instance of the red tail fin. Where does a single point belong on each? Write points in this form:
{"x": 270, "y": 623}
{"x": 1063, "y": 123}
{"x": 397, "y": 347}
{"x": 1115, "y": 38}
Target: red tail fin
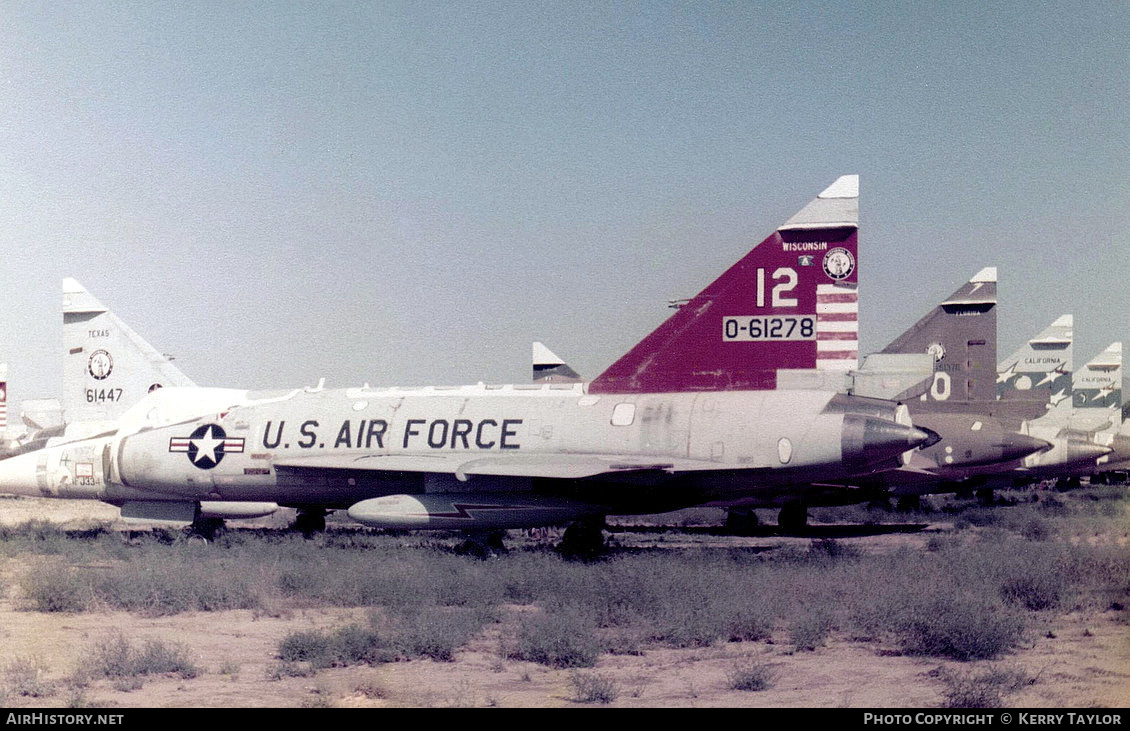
{"x": 789, "y": 303}
{"x": 3, "y": 396}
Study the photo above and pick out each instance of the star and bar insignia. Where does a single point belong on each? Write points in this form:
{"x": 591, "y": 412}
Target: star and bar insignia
{"x": 206, "y": 446}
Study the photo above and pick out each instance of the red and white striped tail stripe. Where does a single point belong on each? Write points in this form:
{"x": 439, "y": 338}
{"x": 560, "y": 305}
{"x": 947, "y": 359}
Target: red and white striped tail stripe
{"x": 3, "y": 405}
{"x": 837, "y": 328}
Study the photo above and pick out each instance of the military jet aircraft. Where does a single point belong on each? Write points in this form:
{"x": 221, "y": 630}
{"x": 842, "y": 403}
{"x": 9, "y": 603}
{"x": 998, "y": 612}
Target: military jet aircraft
{"x": 958, "y": 404}
{"x": 1041, "y": 372}
{"x": 1089, "y": 419}
{"x": 998, "y": 424}
{"x": 1029, "y": 393}
{"x": 107, "y": 369}
{"x": 691, "y": 414}
{"x": 961, "y": 334}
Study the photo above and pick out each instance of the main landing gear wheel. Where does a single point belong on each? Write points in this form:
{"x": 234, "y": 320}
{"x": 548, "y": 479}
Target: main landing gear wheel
{"x": 793, "y": 518}
{"x": 583, "y": 539}
{"x": 205, "y": 528}
{"x": 310, "y": 522}
{"x": 741, "y": 521}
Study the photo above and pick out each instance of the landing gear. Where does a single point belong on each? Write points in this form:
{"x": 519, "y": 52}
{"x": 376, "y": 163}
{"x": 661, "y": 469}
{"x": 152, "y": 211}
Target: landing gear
{"x": 985, "y": 496}
{"x": 909, "y": 503}
{"x": 205, "y": 528}
{"x": 583, "y": 539}
{"x": 793, "y": 518}
{"x": 1068, "y": 483}
{"x": 741, "y": 521}
{"x": 483, "y": 544}
{"x": 310, "y": 522}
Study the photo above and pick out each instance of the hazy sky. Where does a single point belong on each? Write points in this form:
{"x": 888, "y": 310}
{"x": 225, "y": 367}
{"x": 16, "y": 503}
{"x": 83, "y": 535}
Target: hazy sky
{"x": 410, "y": 193}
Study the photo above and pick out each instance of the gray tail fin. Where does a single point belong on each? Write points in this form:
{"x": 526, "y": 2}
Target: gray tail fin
{"x": 548, "y": 368}
{"x": 961, "y": 334}
{"x": 1040, "y": 370}
{"x": 107, "y": 367}
{"x": 1096, "y": 392}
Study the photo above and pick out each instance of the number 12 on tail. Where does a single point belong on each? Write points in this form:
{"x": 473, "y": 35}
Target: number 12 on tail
{"x": 756, "y": 328}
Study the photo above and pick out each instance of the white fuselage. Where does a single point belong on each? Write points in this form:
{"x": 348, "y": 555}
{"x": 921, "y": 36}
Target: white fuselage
{"x": 335, "y": 447}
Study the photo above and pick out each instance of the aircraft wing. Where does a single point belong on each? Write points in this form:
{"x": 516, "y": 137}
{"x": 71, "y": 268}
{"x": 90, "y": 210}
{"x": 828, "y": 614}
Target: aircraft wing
{"x": 556, "y": 466}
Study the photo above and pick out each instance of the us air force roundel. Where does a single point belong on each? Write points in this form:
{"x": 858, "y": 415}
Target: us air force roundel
{"x": 206, "y": 446}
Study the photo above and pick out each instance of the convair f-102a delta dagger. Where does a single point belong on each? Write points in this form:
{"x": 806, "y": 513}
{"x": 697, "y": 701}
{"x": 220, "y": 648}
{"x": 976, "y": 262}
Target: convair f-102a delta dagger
{"x": 697, "y": 411}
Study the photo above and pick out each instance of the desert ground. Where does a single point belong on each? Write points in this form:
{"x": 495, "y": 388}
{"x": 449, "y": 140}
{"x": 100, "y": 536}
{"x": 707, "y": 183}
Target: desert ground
{"x": 1077, "y": 656}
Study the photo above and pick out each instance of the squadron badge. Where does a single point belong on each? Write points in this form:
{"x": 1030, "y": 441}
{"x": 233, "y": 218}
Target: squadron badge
{"x": 100, "y": 364}
{"x": 839, "y": 263}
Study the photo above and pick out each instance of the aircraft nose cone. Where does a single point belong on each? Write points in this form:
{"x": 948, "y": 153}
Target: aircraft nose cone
{"x": 18, "y": 475}
{"x": 1084, "y": 450}
{"x": 868, "y": 440}
{"x": 932, "y": 437}
{"x": 883, "y": 435}
{"x": 1015, "y": 445}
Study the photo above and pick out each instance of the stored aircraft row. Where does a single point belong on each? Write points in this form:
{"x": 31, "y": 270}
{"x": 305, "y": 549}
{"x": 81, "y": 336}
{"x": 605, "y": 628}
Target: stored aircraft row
{"x": 985, "y": 414}
{"x": 750, "y": 395}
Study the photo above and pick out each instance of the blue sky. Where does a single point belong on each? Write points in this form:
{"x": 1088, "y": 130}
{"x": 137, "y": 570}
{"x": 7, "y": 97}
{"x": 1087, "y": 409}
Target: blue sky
{"x": 410, "y": 193}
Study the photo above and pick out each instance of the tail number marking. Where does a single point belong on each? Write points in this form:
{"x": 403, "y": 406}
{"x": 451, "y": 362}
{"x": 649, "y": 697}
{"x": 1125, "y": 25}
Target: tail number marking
{"x": 786, "y": 279}
{"x": 102, "y": 395}
{"x": 746, "y": 329}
